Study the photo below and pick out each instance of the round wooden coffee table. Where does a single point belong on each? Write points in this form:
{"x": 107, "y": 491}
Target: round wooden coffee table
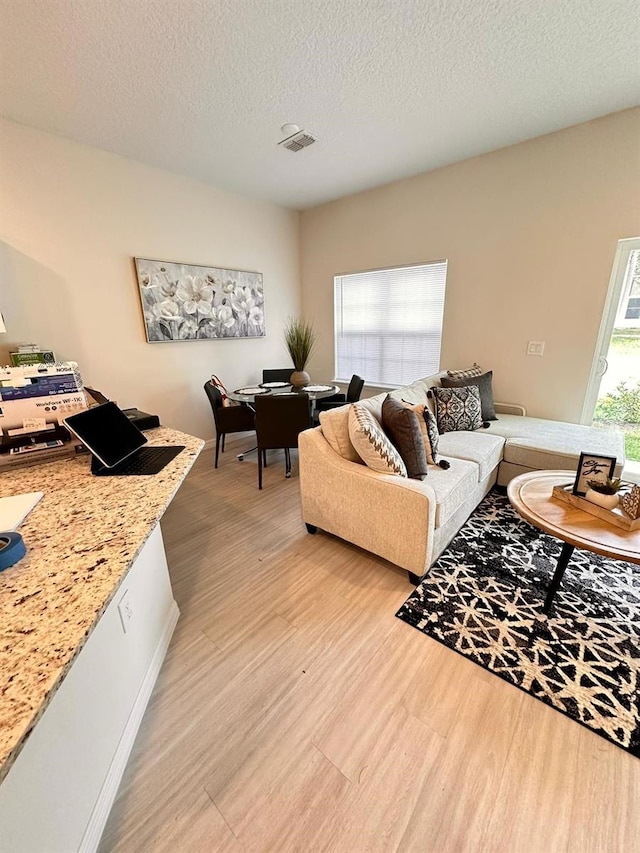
{"x": 530, "y": 496}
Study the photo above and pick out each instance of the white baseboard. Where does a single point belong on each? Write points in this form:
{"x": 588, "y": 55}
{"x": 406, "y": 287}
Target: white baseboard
{"x": 107, "y": 795}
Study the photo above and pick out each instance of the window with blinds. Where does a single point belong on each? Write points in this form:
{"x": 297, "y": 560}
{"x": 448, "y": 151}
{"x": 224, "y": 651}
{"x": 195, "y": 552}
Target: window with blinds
{"x": 388, "y": 323}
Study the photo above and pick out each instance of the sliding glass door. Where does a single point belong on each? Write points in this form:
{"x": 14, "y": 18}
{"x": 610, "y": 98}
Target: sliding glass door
{"x": 613, "y": 397}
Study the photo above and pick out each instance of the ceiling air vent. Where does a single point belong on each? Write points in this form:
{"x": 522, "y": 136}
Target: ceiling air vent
{"x": 298, "y": 141}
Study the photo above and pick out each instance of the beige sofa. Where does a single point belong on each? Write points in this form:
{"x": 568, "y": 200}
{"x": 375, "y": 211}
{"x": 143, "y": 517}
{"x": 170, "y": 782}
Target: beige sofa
{"x": 410, "y": 522}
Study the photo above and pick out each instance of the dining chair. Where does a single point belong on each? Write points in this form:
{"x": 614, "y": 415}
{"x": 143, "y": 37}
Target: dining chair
{"x": 352, "y": 396}
{"x": 279, "y": 420}
{"x": 228, "y": 418}
{"x": 277, "y": 375}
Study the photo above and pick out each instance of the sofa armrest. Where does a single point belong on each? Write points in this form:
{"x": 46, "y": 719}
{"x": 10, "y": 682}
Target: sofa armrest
{"x": 391, "y": 516}
{"x": 510, "y": 409}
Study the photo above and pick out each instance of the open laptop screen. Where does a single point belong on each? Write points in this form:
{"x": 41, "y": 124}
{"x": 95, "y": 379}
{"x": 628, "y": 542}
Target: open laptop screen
{"x": 107, "y": 432}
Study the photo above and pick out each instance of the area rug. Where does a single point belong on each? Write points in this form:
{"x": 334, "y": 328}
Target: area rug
{"x": 484, "y": 596}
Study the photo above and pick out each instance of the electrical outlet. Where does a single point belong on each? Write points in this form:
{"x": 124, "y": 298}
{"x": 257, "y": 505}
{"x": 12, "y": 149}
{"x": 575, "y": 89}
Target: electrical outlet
{"x": 535, "y": 348}
{"x": 125, "y": 609}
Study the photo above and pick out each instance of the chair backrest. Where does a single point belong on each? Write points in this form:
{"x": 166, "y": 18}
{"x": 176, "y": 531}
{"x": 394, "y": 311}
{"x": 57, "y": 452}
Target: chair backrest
{"x": 355, "y": 389}
{"x": 228, "y": 418}
{"x": 215, "y": 399}
{"x": 281, "y": 418}
{"x": 279, "y": 375}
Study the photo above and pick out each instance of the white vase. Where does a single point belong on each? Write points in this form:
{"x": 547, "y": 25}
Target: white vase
{"x": 606, "y": 501}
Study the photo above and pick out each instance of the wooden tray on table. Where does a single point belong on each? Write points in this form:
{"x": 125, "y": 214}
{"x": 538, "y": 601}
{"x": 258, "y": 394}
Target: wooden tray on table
{"x": 614, "y": 516}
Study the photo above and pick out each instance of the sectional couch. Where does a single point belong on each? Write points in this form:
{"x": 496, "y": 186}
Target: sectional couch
{"x": 410, "y": 522}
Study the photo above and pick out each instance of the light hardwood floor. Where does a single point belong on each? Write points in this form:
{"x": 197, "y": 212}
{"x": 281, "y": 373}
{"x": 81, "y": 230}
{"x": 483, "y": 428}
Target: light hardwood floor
{"x": 294, "y": 712}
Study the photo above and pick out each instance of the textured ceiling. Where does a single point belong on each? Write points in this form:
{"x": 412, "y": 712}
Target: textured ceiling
{"x": 391, "y": 88}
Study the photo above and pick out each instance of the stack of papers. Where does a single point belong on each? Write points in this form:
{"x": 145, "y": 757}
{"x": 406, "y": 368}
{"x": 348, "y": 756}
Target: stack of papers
{"x": 14, "y": 510}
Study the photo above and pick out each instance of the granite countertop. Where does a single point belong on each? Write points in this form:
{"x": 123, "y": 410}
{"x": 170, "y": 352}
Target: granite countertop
{"x": 81, "y": 539}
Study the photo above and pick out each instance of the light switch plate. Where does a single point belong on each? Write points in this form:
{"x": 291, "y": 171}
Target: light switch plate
{"x": 535, "y": 348}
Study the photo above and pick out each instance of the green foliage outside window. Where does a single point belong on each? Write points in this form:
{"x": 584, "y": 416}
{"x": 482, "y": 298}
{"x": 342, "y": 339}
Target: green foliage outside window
{"x": 622, "y": 407}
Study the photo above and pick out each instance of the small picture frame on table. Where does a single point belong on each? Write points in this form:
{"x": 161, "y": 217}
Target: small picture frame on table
{"x": 592, "y": 467}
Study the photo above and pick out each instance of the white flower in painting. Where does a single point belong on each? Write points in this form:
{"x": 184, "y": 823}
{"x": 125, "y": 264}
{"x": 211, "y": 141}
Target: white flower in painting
{"x": 195, "y": 294}
{"x": 229, "y": 286}
{"x": 243, "y": 301}
{"x": 256, "y": 316}
{"x": 224, "y": 315}
{"x": 169, "y": 289}
{"x": 160, "y": 282}
{"x": 188, "y": 330}
{"x": 166, "y": 310}
{"x": 207, "y": 331}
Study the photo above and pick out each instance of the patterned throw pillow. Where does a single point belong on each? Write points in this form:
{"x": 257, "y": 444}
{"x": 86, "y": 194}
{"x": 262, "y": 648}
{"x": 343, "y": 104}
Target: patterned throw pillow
{"x": 466, "y": 373}
{"x": 372, "y": 445}
{"x": 458, "y": 408}
{"x": 485, "y": 387}
{"x": 402, "y": 425}
{"x": 428, "y": 428}
{"x": 432, "y": 432}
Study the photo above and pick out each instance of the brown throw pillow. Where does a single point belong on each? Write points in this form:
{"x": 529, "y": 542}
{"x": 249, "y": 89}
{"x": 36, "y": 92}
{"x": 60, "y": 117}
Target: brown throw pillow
{"x": 402, "y": 425}
{"x": 430, "y": 435}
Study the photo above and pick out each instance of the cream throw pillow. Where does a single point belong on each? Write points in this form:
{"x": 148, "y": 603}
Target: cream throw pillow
{"x": 374, "y": 448}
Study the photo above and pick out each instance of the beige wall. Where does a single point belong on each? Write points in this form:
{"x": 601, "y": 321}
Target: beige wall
{"x": 530, "y": 233}
{"x": 71, "y": 220}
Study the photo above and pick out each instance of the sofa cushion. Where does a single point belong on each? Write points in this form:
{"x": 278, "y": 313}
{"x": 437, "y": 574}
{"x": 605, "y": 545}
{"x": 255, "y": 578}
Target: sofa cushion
{"x": 402, "y": 425}
{"x": 484, "y": 384}
{"x": 374, "y": 448}
{"x": 418, "y": 391}
{"x": 374, "y": 405}
{"x": 452, "y": 487}
{"x": 457, "y": 408}
{"x": 540, "y": 444}
{"x": 416, "y": 394}
{"x": 335, "y": 428}
{"x": 485, "y": 450}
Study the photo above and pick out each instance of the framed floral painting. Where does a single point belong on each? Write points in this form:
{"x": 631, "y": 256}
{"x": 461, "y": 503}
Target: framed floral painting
{"x": 188, "y": 302}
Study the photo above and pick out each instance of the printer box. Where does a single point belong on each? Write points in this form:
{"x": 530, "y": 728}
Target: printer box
{"x": 39, "y": 394}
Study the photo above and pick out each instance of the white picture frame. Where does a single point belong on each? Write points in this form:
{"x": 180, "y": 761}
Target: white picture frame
{"x": 192, "y": 302}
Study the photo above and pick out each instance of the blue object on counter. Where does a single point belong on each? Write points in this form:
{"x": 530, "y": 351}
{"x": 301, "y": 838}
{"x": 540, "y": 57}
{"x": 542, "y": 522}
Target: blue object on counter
{"x": 12, "y": 549}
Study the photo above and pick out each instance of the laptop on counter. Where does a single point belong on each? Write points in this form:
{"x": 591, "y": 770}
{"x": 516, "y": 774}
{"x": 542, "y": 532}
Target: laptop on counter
{"x": 117, "y": 445}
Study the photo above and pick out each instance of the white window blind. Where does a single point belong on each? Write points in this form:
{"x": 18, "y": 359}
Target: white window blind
{"x": 388, "y": 323}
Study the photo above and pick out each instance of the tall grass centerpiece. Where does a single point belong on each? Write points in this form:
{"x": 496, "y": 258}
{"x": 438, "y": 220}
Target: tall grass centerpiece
{"x": 300, "y": 339}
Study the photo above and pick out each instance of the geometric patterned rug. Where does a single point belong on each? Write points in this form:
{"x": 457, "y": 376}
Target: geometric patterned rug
{"x": 484, "y": 596}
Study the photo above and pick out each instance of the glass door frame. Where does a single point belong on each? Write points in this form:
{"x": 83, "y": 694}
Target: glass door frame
{"x": 614, "y": 293}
